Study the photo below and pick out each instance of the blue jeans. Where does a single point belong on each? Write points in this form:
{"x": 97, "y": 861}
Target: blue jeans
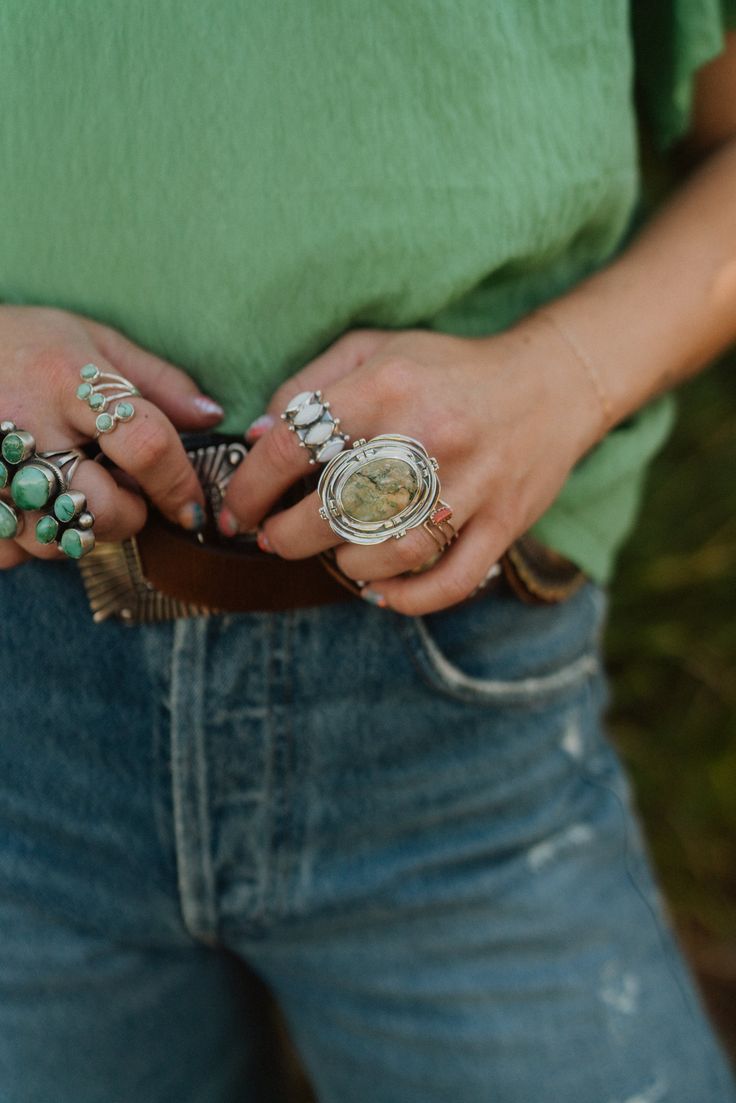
{"x": 414, "y": 830}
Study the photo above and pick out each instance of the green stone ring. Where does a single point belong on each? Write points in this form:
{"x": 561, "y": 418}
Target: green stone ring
{"x": 17, "y": 446}
{"x": 380, "y": 488}
{"x": 11, "y": 522}
{"x": 38, "y": 481}
{"x": 69, "y": 525}
{"x": 107, "y": 394}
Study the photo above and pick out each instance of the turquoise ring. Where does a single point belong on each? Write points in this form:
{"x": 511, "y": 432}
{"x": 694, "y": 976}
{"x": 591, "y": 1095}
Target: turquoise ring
{"x": 11, "y": 522}
{"x": 16, "y": 445}
{"x": 38, "y": 481}
{"x": 69, "y": 525}
{"x": 108, "y": 396}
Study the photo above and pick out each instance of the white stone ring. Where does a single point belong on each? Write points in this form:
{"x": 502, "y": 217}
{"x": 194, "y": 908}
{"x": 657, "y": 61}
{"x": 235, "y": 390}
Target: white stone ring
{"x": 308, "y": 415}
{"x": 381, "y": 488}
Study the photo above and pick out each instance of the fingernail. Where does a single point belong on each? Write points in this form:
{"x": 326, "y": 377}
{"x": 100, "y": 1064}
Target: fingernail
{"x": 191, "y": 517}
{"x": 227, "y": 522}
{"x": 374, "y": 598}
{"x": 208, "y": 406}
{"x": 258, "y": 427}
{"x": 263, "y": 542}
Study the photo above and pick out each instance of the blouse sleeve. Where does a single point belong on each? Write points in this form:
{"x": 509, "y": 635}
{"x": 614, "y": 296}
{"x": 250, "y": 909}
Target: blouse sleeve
{"x": 672, "y": 40}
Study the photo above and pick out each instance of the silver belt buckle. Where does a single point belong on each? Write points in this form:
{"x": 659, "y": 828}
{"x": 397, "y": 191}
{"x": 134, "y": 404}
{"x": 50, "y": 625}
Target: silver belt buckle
{"x": 113, "y": 573}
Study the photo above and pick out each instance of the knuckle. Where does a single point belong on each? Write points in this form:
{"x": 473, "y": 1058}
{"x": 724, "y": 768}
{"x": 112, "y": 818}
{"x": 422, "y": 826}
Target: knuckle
{"x": 282, "y": 449}
{"x": 395, "y": 378}
{"x": 183, "y": 483}
{"x": 448, "y": 431}
{"x": 350, "y": 564}
{"x": 147, "y": 444}
{"x": 56, "y": 366}
{"x": 410, "y": 552}
{"x": 454, "y": 587}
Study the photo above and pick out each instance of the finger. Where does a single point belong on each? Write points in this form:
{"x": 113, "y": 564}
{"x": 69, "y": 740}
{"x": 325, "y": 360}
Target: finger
{"x": 276, "y": 461}
{"x": 343, "y": 356}
{"x": 149, "y": 448}
{"x": 392, "y": 557}
{"x": 11, "y": 555}
{"x": 168, "y": 387}
{"x": 298, "y": 532}
{"x": 118, "y": 512}
{"x": 462, "y": 568}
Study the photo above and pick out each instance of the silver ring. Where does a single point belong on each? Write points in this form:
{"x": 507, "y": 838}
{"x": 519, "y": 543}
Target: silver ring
{"x": 308, "y": 415}
{"x": 44, "y": 476}
{"x": 40, "y": 480}
{"x": 381, "y": 488}
{"x": 34, "y": 478}
{"x": 100, "y": 389}
{"x": 69, "y": 525}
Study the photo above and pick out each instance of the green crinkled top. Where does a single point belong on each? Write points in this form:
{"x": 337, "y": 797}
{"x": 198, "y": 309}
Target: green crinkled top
{"x": 235, "y": 185}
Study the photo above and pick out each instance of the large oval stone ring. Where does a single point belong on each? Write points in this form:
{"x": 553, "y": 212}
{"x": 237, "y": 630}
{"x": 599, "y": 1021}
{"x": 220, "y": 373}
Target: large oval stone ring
{"x": 308, "y": 415}
{"x": 381, "y": 488}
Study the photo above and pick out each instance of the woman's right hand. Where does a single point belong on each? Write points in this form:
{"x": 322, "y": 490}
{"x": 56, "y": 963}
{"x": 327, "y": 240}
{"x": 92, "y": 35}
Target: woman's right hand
{"x": 41, "y": 352}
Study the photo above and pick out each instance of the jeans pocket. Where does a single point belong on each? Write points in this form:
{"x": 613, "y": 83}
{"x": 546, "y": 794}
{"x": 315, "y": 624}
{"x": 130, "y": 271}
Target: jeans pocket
{"x": 498, "y": 651}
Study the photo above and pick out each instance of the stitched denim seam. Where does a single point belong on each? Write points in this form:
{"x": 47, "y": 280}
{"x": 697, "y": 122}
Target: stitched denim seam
{"x": 189, "y": 782}
{"x": 433, "y": 664}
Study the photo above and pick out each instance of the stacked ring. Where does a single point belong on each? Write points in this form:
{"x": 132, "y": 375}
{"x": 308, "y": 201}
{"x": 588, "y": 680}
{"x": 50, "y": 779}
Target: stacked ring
{"x": 99, "y": 389}
{"x": 308, "y": 415}
{"x": 439, "y": 526}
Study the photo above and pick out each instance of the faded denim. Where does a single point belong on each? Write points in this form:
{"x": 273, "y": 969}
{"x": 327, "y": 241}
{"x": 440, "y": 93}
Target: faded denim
{"x": 413, "y": 829}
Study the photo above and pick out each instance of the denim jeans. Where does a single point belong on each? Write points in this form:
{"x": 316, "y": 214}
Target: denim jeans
{"x": 414, "y": 830}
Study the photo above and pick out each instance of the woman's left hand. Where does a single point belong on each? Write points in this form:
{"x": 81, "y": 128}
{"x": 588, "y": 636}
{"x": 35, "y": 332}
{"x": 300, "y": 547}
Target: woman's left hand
{"x": 505, "y": 416}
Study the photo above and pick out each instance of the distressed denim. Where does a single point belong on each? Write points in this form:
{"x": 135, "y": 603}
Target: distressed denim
{"x": 414, "y": 830}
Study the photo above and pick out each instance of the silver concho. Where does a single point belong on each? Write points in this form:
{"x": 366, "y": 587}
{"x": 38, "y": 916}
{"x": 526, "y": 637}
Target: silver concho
{"x": 113, "y": 573}
{"x": 378, "y": 489}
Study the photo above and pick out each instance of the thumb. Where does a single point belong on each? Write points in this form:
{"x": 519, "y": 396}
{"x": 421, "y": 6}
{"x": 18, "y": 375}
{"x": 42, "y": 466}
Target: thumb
{"x": 171, "y": 389}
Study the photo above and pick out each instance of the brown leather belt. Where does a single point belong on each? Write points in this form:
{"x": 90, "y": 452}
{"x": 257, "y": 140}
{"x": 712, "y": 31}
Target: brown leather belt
{"x": 165, "y": 572}
{"x": 236, "y": 579}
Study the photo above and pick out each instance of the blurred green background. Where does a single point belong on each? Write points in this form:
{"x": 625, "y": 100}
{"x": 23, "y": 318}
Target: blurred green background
{"x": 672, "y": 658}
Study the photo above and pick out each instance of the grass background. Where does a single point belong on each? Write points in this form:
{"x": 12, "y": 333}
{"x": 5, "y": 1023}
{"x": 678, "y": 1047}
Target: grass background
{"x": 672, "y": 657}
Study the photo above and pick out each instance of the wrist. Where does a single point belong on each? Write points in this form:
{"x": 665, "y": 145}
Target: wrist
{"x": 563, "y": 387}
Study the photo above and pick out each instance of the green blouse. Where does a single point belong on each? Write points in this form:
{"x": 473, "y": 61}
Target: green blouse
{"x": 234, "y": 185}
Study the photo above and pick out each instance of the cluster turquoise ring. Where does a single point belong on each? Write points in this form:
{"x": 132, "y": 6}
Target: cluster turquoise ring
{"x": 108, "y": 396}
{"x": 39, "y": 481}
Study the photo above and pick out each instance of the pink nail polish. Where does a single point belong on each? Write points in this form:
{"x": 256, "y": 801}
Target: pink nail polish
{"x": 258, "y": 427}
{"x": 227, "y": 522}
{"x": 263, "y": 542}
{"x": 208, "y": 406}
